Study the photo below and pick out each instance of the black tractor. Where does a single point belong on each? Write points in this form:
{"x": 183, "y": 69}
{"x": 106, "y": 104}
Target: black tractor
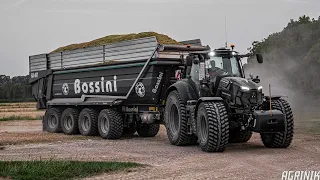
{"x": 215, "y": 104}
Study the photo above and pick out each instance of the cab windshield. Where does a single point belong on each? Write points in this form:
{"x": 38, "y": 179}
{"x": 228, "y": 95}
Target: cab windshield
{"x": 223, "y": 66}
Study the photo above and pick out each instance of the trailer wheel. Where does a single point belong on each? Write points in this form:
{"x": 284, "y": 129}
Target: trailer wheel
{"x": 52, "y": 120}
{"x": 238, "y": 136}
{"x": 212, "y": 126}
{"x": 280, "y": 139}
{"x": 148, "y": 130}
{"x": 176, "y": 121}
{"x": 87, "y": 122}
{"x": 69, "y": 121}
{"x": 110, "y": 124}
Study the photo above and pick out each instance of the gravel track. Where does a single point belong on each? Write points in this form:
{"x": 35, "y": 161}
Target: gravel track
{"x": 163, "y": 161}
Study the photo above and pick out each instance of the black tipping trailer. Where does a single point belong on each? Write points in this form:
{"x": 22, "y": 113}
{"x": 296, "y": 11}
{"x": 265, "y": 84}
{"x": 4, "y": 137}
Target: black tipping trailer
{"x": 201, "y": 95}
{"x": 130, "y": 76}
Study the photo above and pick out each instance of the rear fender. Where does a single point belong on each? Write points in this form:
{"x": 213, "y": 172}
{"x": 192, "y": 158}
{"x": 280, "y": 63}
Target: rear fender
{"x": 184, "y": 89}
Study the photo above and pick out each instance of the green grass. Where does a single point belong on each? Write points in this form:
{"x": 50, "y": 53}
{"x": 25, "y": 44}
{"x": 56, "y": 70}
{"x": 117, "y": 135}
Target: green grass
{"x": 10, "y": 118}
{"x": 25, "y": 170}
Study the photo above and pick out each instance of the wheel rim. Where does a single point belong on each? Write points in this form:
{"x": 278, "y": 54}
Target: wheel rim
{"x": 203, "y": 129}
{"x": 104, "y": 125}
{"x": 174, "y": 120}
{"x": 85, "y": 123}
{"x": 52, "y": 121}
{"x": 68, "y": 123}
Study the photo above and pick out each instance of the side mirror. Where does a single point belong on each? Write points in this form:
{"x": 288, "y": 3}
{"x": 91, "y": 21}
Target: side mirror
{"x": 259, "y": 58}
{"x": 189, "y": 60}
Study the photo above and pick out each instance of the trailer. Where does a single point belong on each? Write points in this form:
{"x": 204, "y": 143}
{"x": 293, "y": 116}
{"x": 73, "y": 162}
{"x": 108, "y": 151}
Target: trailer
{"x": 200, "y": 94}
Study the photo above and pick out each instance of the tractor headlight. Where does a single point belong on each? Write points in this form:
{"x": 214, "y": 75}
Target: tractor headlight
{"x": 260, "y": 88}
{"x": 211, "y": 53}
{"x": 245, "y": 88}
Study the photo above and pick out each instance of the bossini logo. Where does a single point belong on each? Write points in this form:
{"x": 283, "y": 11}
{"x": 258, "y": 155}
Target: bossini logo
{"x": 95, "y": 87}
{"x": 300, "y": 175}
{"x": 140, "y": 90}
{"x": 159, "y": 78}
{"x": 65, "y": 89}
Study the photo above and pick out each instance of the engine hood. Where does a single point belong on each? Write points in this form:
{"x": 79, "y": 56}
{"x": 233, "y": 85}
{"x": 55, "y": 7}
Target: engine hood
{"x": 242, "y": 82}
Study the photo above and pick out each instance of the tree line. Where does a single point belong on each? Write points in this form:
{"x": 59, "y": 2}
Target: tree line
{"x": 295, "y": 51}
{"x": 15, "y": 89}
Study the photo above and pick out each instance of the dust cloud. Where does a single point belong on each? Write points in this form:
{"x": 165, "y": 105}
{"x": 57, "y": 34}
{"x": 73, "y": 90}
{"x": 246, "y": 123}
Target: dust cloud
{"x": 279, "y": 76}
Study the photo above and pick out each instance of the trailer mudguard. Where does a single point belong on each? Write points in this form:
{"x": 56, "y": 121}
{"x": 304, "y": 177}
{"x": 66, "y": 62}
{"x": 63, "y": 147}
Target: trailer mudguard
{"x": 185, "y": 90}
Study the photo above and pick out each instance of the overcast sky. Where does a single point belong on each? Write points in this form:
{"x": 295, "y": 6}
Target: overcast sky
{"x": 29, "y": 27}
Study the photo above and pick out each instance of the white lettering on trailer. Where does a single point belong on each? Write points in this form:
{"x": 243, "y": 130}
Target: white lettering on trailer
{"x": 34, "y": 75}
{"x": 159, "y": 78}
{"x": 95, "y": 87}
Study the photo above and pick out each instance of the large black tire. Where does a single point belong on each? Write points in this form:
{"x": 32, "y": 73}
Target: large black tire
{"x": 69, "y": 121}
{"x": 280, "y": 139}
{"x": 110, "y": 124}
{"x": 148, "y": 130}
{"x": 212, "y": 126}
{"x": 88, "y": 122}
{"x": 238, "y": 136}
{"x": 52, "y": 120}
{"x": 176, "y": 121}
{"x": 129, "y": 131}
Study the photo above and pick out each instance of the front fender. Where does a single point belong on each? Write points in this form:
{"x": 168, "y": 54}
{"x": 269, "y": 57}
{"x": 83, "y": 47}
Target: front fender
{"x": 207, "y": 99}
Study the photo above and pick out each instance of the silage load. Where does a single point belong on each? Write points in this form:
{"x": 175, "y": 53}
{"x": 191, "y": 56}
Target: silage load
{"x": 161, "y": 38}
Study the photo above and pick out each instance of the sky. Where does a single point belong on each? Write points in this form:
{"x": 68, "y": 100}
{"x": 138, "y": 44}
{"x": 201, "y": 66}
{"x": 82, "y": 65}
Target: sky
{"x": 30, "y": 27}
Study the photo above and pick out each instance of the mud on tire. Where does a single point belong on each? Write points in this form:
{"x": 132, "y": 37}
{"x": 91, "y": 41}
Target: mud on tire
{"x": 176, "y": 121}
{"x": 212, "y": 126}
{"x": 148, "y": 130}
{"x": 280, "y": 139}
{"x": 52, "y": 120}
{"x": 110, "y": 124}
{"x": 88, "y": 122}
{"x": 69, "y": 121}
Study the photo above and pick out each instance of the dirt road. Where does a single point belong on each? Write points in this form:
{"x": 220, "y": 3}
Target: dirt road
{"x": 240, "y": 161}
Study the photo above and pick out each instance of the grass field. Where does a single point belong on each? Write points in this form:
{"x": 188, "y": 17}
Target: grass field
{"x": 20, "y": 111}
{"x": 25, "y": 170}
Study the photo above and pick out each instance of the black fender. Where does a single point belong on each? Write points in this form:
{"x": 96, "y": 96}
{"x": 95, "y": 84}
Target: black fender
{"x": 206, "y": 99}
{"x": 185, "y": 90}
{"x": 273, "y": 97}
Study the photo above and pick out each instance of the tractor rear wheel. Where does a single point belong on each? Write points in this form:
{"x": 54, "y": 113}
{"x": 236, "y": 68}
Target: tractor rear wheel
{"x": 238, "y": 136}
{"x": 212, "y": 126}
{"x": 176, "y": 121}
{"x": 110, "y": 124}
{"x": 280, "y": 139}
{"x": 148, "y": 130}
{"x": 87, "y": 122}
{"x": 52, "y": 120}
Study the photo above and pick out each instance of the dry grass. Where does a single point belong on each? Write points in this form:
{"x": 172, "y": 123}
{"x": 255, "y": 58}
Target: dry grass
{"x": 34, "y": 114}
{"x": 18, "y": 109}
{"x": 12, "y": 138}
{"x": 161, "y": 38}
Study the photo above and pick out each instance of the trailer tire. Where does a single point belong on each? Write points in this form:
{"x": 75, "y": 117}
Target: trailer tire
{"x": 69, "y": 121}
{"x": 176, "y": 121}
{"x": 52, "y": 120}
{"x": 110, "y": 124}
{"x": 212, "y": 126}
{"x": 280, "y": 139}
{"x": 238, "y": 136}
{"x": 148, "y": 130}
{"x": 88, "y": 122}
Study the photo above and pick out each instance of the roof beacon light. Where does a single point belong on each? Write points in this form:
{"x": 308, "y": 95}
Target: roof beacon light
{"x": 232, "y": 46}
